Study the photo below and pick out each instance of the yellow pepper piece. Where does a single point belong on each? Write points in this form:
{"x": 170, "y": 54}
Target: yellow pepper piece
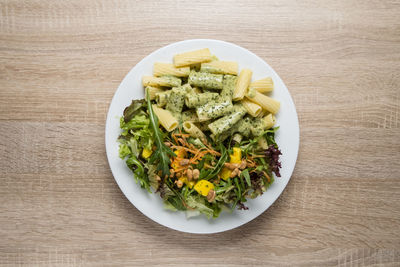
{"x": 185, "y": 180}
{"x": 146, "y": 153}
{"x": 203, "y": 187}
{"x": 235, "y": 157}
{"x": 225, "y": 173}
{"x": 180, "y": 153}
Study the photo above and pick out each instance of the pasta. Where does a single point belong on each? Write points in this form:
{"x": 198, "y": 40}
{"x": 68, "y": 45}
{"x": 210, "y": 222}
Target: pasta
{"x": 192, "y": 57}
{"x": 162, "y": 69}
{"x": 269, "y": 121}
{"x": 168, "y": 81}
{"x": 228, "y": 86}
{"x": 176, "y": 100}
{"x": 165, "y": 118}
{"x": 213, "y": 109}
{"x": 220, "y": 67}
{"x": 264, "y": 85}
{"x": 189, "y": 115}
{"x": 225, "y": 123}
{"x": 242, "y": 84}
{"x": 162, "y": 98}
{"x": 266, "y": 102}
{"x": 194, "y": 100}
{"x": 252, "y": 108}
{"x": 258, "y": 127}
{"x": 206, "y": 80}
{"x": 193, "y": 131}
{"x": 153, "y": 91}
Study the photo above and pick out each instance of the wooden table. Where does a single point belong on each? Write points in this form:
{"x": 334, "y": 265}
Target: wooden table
{"x": 61, "y": 62}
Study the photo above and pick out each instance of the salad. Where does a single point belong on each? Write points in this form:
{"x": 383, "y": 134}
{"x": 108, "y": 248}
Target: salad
{"x": 203, "y": 137}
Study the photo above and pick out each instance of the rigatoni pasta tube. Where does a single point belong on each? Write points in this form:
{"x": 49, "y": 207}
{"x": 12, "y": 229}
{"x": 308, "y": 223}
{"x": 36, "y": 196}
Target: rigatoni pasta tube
{"x": 162, "y": 69}
{"x": 252, "y": 108}
{"x": 194, "y": 100}
{"x": 266, "y": 102}
{"x": 258, "y": 127}
{"x": 162, "y": 98}
{"x": 176, "y": 100}
{"x": 168, "y": 81}
{"x": 152, "y": 91}
{"x": 242, "y": 84}
{"x": 228, "y": 87}
{"x": 193, "y": 131}
{"x": 206, "y": 80}
{"x": 192, "y": 57}
{"x": 214, "y": 109}
{"x": 263, "y": 85}
{"x": 225, "y": 123}
{"x": 269, "y": 121}
{"x": 166, "y": 119}
{"x": 220, "y": 67}
{"x": 189, "y": 115}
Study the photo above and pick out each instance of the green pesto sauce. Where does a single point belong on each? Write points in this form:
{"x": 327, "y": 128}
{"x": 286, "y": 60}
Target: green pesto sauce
{"x": 206, "y": 80}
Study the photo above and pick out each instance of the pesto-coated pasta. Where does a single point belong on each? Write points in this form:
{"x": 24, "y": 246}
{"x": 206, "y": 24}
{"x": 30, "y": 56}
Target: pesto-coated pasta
{"x": 162, "y": 69}
{"x": 214, "y": 109}
{"x": 242, "y": 84}
{"x": 176, "y": 100}
{"x": 193, "y": 131}
{"x": 228, "y": 87}
{"x": 206, "y": 80}
{"x": 252, "y": 108}
{"x": 168, "y": 81}
{"x": 189, "y": 115}
{"x": 162, "y": 98}
{"x": 266, "y": 102}
{"x": 225, "y": 123}
{"x": 264, "y": 85}
{"x": 192, "y": 57}
{"x": 153, "y": 91}
{"x": 258, "y": 126}
{"x": 166, "y": 119}
{"x": 194, "y": 100}
{"x": 220, "y": 67}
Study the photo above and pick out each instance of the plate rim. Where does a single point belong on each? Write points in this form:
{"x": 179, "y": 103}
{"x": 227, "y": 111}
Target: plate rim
{"x": 109, "y": 119}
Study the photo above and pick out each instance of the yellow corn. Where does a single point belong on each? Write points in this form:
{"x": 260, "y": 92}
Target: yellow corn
{"x": 146, "y": 153}
{"x": 203, "y": 187}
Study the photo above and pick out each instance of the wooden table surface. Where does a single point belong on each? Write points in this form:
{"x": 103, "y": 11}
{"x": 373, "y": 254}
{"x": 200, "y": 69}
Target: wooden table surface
{"x": 61, "y": 62}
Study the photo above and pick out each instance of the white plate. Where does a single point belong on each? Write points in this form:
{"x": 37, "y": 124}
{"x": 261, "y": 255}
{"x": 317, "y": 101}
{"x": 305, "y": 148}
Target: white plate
{"x": 151, "y": 205}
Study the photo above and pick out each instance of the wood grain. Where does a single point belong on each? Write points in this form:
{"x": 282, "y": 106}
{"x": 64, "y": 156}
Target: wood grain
{"x": 61, "y": 62}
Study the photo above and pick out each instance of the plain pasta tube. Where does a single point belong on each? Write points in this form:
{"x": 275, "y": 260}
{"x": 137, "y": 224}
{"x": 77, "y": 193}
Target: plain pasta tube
{"x": 162, "y": 69}
{"x": 194, "y": 100}
{"x": 242, "y": 84}
{"x": 206, "y": 80}
{"x": 225, "y": 123}
{"x": 192, "y": 57}
{"x": 269, "y": 121}
{"x": 264, "y": 85}
{"x": 193, "y": 131}
{"x": 252, "y": 108}
{"x": 266, "y": 102}
{"x": 168, "y": 81}
{"x": 152, "y": 91}
{"x": 220, "y": 67}
{"x": 166, "y": 119}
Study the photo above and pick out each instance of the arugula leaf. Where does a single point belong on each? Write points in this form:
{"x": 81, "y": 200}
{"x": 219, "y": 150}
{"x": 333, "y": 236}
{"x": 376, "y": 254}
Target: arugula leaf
{"x": 162, "y": 152}
{"x": 246, "y": 175}
{"x": 220, "y": 163}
